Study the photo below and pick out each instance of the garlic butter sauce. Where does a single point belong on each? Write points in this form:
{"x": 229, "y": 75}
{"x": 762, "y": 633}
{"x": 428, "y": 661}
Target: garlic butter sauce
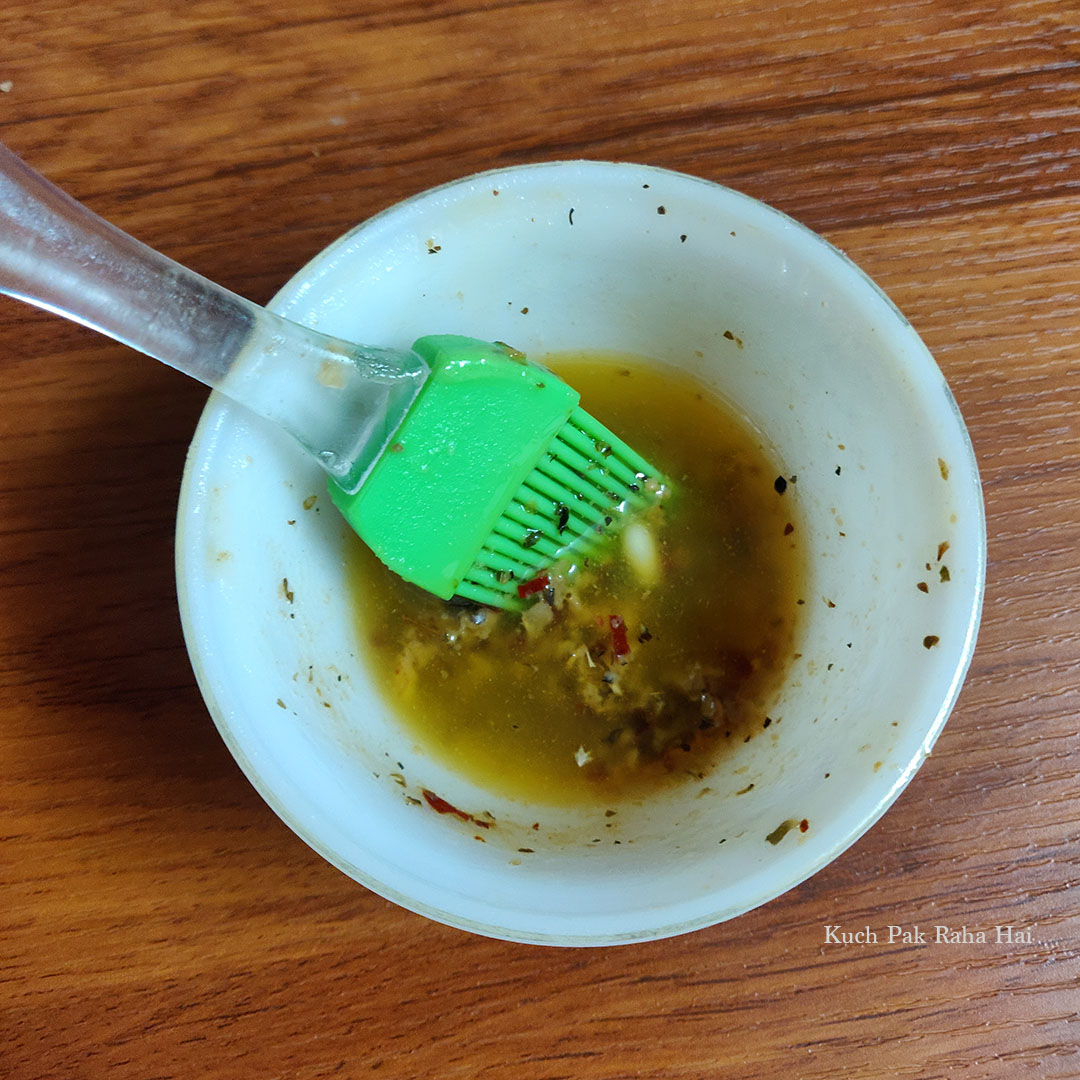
{"x": 648, "y": 666}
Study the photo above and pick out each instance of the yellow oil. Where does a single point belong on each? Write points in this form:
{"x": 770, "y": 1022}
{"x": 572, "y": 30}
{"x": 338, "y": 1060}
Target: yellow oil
{"x": 710, "y": 640}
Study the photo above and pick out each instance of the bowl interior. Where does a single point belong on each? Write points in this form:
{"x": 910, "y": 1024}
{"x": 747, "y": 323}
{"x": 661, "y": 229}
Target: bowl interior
{"x": 692, "y": 275}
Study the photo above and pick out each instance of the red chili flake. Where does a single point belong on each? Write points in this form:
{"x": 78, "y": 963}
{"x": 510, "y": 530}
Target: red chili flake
{"x": 619, "y": 645}
{"x": 804, "y": 825}
{"x": 538, "y": 584}
{"x": 441, "y": 806}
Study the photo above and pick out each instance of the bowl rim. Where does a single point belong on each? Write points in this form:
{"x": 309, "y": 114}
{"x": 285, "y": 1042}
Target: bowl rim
{"x": 216, "y": 413}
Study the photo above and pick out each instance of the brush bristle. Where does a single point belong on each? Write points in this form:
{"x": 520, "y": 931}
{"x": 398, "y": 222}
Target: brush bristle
{"x": 579, "y": 492}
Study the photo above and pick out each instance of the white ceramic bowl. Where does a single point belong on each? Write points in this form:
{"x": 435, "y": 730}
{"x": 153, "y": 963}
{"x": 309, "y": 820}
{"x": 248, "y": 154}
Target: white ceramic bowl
{"x": 622, "y": 257}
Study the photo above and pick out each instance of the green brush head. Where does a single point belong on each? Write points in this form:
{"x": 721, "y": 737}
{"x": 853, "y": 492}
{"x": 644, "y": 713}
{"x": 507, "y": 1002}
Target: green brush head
{"x": 493, "y": 474}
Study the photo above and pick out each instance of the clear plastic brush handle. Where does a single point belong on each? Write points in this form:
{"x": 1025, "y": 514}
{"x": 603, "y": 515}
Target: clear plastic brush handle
{"x": 342, "y": 402}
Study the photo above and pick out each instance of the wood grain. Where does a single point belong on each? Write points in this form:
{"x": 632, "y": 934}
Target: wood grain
{"x": 157, "y": 919}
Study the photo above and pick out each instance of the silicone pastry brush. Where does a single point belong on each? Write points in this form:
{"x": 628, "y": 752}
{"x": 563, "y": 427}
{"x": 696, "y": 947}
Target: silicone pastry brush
{"x": 495, "y": 474}
{"x": 466, "y": 468}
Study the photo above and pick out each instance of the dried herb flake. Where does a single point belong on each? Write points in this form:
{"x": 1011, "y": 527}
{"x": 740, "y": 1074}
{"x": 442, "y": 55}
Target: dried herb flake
{"x": 782, "y": 830}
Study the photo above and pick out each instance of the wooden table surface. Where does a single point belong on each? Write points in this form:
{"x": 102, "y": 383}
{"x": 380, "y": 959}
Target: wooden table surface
{"x": 157, "y": 920}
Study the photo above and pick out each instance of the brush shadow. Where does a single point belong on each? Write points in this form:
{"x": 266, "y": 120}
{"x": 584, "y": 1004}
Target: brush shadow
{"x": 92, "y": 625}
